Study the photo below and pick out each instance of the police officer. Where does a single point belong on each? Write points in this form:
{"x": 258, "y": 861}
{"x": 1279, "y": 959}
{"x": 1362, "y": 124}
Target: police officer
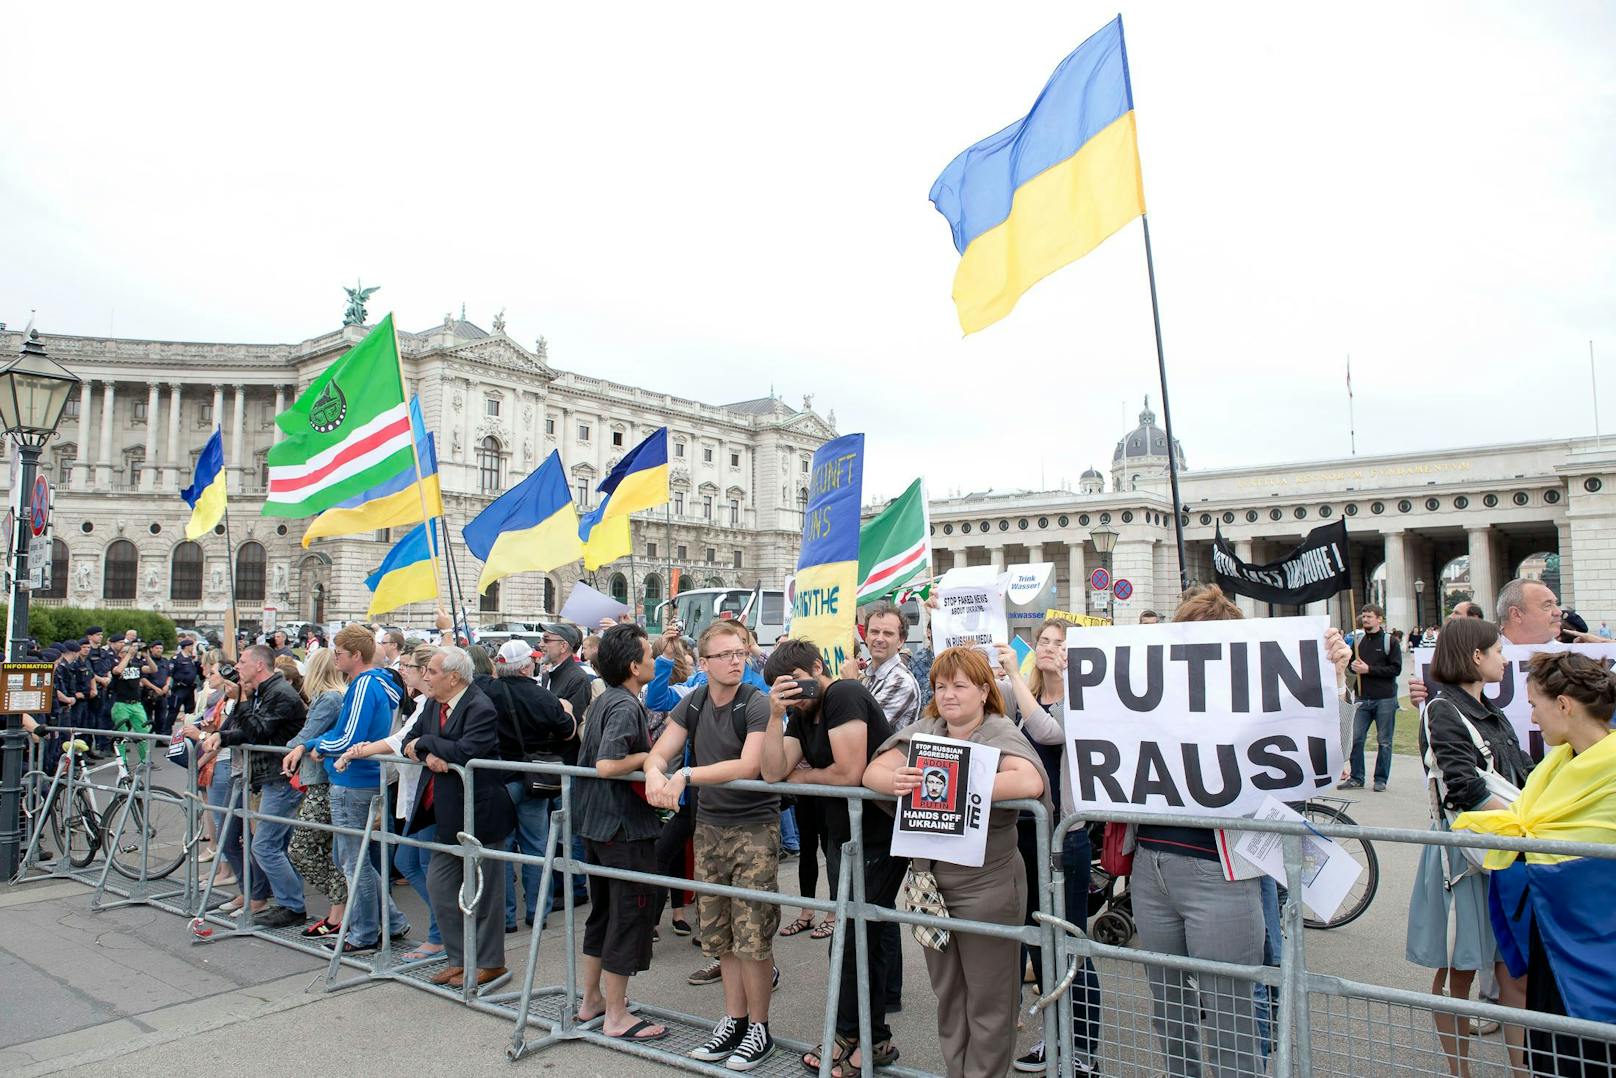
{"x": 78, "y": 671}
{"x": 101, "y": 661}
{"x": 156, "y": 691}
{"x": 184, "y": 670}
{"x": 62, "y": 681}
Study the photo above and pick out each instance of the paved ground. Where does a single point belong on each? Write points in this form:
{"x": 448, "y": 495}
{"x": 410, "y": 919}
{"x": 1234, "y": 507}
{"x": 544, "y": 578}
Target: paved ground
{"x": 125, "y": 992}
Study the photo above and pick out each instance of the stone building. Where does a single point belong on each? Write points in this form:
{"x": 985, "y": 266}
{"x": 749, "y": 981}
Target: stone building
{"x": 131, "y": 435}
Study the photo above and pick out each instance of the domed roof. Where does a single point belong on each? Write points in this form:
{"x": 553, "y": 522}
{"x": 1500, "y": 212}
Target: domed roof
{"x": 1092, "y": 473}
{"x": 1147, "y": 440}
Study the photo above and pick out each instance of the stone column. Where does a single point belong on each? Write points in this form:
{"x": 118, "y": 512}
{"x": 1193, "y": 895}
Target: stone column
{"x": 218, "y": 407}
{"x": 996, "y": 556}
{"x": 148, "y": 474}
{"x": 1077, "y": 573}
{"x": 173, "y": 470}
{"x": 104, "y": 466}
{"x": 1567, "y": 576}
{"x": 275, "y": 433}
{"x": 1400, "y": 597}
{"x": 1484, "y": 582}
{"x": 83, "y": 468}
{"x": 237, "y": 418}
{"x": 1248, "y": 606}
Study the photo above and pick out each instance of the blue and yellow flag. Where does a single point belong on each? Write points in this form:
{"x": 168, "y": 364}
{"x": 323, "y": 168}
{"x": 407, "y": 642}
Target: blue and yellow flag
{"x": 825, "y": 608}
{"x": 396, "y": 500}
{"x": 1049, "y": 188}
{"x": 533, "y": 527}
{"x": 406, "y": 575}
{"x": 640, "y": 481}
{"x": 206, "y": 494}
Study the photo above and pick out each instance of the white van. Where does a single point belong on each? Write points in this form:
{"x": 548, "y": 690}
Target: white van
{"x": 699, "y": 607}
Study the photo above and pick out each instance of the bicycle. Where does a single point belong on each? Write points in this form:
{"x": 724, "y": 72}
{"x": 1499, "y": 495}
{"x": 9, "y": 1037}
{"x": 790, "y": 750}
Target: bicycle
{"x": 1332, "y": 810}
{"x": 153, "y": 818}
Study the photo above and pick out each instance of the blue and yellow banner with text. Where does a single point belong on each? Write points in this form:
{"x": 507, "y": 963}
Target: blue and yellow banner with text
{"x": 825, "y": 610}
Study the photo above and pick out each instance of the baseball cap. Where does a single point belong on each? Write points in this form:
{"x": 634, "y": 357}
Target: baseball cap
{"x": 514, "y": 651}
{"x": 566, "y": 632}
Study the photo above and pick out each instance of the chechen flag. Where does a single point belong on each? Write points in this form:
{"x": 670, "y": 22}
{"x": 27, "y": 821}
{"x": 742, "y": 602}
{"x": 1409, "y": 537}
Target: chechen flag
{"x": 895, "y": 546}
{"x": 349, "y": 431}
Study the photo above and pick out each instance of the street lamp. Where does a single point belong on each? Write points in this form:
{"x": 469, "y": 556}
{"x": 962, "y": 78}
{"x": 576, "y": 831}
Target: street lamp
{"x": 1419, "y": 600}
{"x": 1104, "y": 539}
{"x": 33, "y": 394}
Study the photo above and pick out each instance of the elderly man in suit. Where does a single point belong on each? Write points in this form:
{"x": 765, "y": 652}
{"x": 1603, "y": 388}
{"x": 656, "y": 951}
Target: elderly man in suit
{"x": 458, "y": 725}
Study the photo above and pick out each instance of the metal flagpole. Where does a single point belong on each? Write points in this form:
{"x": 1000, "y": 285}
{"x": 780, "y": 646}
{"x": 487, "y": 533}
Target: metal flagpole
{"x": 230, "y": 650}
{"x": 415, "y": 454}
{"x": 1167, "y": 414}
{"x": 1352, "y": 421}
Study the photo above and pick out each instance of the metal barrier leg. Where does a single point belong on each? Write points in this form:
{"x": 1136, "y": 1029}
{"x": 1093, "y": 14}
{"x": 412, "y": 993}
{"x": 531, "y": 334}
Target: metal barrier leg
{"x": 244, "y": 917}
{"x": 570, "y": 932}
{"x": 1055, "y": 1049}
{"x": 861, "y": 941}
{"x": 384, "y": 880}
{"x": 838, "y": 947}
{"x": 109, "y": 849}
{"x": 341, "y": 938}
{"x": 41, "y": 821}
{"x": 1295, "y": 1024}
{"x": 524, "y": 1000}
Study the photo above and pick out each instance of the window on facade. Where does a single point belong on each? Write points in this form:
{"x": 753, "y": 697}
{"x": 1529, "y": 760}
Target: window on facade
{"x": 734, "y": 460}
{"x": 549, "y": 426}
{"x": 737, "y": 559}
{"x": 72, "y": 409}
{"x": 491, "y": 407}
{"x": 135, "y": 460}
{"x": 804, "y": 465}
{"x": 140, "y": 411}
{"x": 263, "y": 471}
{"x": 204, "y": 411}
{"x": 617, "y": 437}
{"x": 712, "y": 555}
{"x": 66, "y": 456}
{"x": 489, "y": 600}
{"x": 650, "y": 550}
{"x": 490, "y": 466}
{"x": 678, "y": 505}
{"x": 549, "y": 595}
{"x": 185, "y": 573}
{"x": 683, "y": 552}
{"x": 583, "y": 432}
{"x": 706, "y": 509}
{"x": 706, "y": 455}
{"x": 583, "y": 493}
{"x": 735, "y": 511}
{"x": 619, "y": 587}
{"x": 678, "y": 449}
{"x": 250, "y": 572}
{"x": 121, "y": 570}
{"x": 58, "y": 573}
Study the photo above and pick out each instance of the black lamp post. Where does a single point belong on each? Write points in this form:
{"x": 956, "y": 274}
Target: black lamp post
{"x": 33, "y": 394}
{"x": 1105, "y": 541}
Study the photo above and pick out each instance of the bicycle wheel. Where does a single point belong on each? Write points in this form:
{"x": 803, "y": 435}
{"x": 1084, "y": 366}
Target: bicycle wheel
{"x": 74, "y": 829}
{"x": 162, "y": 828}
{"x": 1361, "y": 851}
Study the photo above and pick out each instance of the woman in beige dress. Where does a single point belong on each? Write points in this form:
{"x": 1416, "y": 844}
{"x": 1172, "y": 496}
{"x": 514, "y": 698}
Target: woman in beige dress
{"x": 976, "y": 978}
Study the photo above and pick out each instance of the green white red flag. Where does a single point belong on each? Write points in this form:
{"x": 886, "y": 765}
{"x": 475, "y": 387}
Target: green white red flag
{"x": 895, "y": 546}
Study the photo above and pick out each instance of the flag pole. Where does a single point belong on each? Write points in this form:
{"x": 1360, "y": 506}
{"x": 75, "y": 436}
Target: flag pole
{"x": 1167, "y": 413}
{"x": 415, "y": 454}
{"x": 456, "y": 585}
{"x": 1352, "y": 421}
{"x": 231, "y": 651}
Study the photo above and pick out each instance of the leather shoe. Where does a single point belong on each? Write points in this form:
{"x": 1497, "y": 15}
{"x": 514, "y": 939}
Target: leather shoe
{"x": 486, "y": 975}
{"x": 449, "y": 975}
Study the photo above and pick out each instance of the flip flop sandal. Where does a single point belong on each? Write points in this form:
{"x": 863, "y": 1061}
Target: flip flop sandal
{"x": 838, "y": 1059}
{"x": 419, "y": 955}
{"x": 632, "y": 1033}
{"x": 799, "y": 925}
{"x": 824, "y": 931}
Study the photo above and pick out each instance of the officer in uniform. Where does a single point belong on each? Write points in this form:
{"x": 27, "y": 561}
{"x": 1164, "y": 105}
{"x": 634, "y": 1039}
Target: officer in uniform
{"x": 101, "y": 661}
{"x": 62, "y": 681}
{"x": 156, "y": 692}
{"x": 184, "y": 670}
{"x": 76, "y": 713}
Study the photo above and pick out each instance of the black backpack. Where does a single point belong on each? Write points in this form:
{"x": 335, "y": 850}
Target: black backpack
{"x": 737, "y": 717}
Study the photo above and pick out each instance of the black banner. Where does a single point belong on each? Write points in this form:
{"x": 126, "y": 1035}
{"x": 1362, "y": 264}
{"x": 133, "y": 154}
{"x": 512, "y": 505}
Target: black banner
{"x": 1315, "y": 570}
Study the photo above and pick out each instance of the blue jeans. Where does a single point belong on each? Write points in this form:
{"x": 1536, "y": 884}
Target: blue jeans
{"x": 1383, "y": 713}
{"x": 532, "y": 832}
{"x": 350, "y": 807}
{"x": 411, "y": 862}
{"x": 219, "y": 794}
{"x": 789, "y": 837}
{"x": 270, "y": 841}
{"x": 1262, "y": 995}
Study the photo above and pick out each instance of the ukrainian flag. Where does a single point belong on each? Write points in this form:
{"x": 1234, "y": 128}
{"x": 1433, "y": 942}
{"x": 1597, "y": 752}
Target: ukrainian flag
{"x": 206, "y": 493}
{"x": 531, "y": 527}
{"x": 406, "y": 575}
{"x": 396, "y": 500}
{"x": 640, "y": 481}
{"x": 1049, "y": 188}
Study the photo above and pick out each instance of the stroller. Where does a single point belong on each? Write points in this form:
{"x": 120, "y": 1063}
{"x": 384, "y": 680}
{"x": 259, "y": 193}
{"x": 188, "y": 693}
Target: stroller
{"x": 1108, "y": 896}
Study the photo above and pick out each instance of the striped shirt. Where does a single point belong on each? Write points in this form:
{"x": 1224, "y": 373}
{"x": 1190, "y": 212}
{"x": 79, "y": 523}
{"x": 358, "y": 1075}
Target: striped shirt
{"x": 896, "y": 690}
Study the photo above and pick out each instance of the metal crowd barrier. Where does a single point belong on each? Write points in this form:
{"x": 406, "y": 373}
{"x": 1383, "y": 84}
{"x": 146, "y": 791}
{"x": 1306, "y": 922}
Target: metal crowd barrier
{"x": 1321, "y": 1024}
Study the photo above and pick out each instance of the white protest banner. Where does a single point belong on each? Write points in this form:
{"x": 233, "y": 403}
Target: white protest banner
{"x": 586, "y": 606}
{"x": 1328, "y": 870}
{"x": 970, "y": 612}
{"x": 946, "y": 818}
{"x": 1510, "y": 694}
{"x": 1200, "y": 717}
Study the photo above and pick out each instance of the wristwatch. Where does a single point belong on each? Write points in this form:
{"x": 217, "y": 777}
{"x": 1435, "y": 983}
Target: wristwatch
{"x": 685, "y": 771}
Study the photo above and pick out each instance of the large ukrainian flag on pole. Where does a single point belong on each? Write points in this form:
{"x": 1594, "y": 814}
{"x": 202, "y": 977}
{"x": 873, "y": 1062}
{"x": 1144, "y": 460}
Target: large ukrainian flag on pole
{"x": 533, "y": 527}
{"x": 206, "y": 494}
{"x": 1049, "y": 188}
{"x": 825, "y": 608}
{"x": 407, "y": 575}
{"x": 640, "y": 481}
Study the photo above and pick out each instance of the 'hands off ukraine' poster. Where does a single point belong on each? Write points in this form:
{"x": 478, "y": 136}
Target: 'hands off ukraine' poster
{"x": 826, "y": 605}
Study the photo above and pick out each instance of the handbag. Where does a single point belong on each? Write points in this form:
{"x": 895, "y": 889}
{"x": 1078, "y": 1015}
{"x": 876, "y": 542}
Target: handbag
{"x": 920, "y": 894}
{"x": 1116, "y": 849}
{"x": 536, "y": 783}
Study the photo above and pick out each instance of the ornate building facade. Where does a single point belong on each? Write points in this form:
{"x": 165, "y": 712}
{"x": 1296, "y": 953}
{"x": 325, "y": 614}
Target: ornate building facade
{"x": 131, "y": 435}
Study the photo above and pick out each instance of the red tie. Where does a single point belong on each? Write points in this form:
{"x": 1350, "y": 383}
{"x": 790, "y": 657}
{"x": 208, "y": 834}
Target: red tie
{"x": 426, "y": 799}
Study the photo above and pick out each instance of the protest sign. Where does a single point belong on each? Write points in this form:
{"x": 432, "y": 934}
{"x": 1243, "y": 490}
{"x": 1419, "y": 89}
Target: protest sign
{"x": 1028, "y": 592}
{"x": 1200, "y": 717}
{"x": 946, "y": 817}
{"x": 824, "y": 609}
{"x": 1510, "y": 693}
{"x": 1074, "y": 617}
{"x": 586, "y": 607}
{"x": 970, "y": 617}
{"x": 1328, "y": 870}
{"x": 1315, "y": 570}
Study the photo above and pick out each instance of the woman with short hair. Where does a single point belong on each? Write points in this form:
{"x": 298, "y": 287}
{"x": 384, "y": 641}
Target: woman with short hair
{"x": 310, "y": 849}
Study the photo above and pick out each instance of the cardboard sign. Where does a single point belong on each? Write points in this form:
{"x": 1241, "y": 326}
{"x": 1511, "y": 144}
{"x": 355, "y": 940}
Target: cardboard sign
{"x": 586, "y": 606}
{"x": 946, "y": 817}
{"x": 1205, "y": 717}
{"x": 824, "y": 610}
{"x": 1510, "y": 694}
{"x": 970, "y": 617}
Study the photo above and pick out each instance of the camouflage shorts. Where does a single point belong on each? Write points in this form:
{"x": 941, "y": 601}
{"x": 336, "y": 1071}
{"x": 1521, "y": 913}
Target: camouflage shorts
{"x": 743, "y": 855}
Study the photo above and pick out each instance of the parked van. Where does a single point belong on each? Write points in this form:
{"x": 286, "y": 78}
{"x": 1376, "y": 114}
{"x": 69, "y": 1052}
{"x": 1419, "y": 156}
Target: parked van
{"x": 699, "y": 607}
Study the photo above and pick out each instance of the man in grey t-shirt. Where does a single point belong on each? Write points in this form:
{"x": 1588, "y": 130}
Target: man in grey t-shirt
{"x": 737, "y": 837}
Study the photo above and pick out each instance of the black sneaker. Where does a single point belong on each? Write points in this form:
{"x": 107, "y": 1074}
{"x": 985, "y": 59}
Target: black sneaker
{"x": 1033, "y": 1061}
{"x": 727, "y": 1037}
{"x": 754, "y": 1048}
{"x": 400, "y": 933}
{"x": 1350, "y": 784}
{"x": 279, "y": 917}
{"x": 1380, "y": 787}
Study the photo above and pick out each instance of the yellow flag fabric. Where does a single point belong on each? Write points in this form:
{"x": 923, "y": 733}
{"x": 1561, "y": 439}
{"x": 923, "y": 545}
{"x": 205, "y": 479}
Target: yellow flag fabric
{"x": 1566, "y": 797}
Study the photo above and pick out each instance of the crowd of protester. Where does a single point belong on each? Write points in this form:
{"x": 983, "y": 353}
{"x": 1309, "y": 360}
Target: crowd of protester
{"x": 695, "y": 714}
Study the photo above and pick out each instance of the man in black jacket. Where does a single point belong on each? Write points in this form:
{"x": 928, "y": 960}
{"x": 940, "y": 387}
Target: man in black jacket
{"x": 571, "y": 683}
{"x": 271, "y": 713}
{"x": 531, "y": 721}
{"x": 1378, "y": 662}
{"x": 458, "y": 725}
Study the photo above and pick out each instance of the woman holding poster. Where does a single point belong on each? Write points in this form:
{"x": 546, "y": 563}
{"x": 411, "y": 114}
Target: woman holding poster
{"x": 972, "y": 976}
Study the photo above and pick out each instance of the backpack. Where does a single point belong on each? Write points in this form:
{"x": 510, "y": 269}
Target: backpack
{"x": 737, "y": 718}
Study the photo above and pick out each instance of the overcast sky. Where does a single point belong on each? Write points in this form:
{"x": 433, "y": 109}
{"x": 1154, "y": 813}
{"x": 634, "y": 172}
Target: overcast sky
{"x": 714, "y": 200}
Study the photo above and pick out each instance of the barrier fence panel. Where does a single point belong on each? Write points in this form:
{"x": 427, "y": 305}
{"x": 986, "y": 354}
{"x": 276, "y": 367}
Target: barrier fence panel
{"x": 1301, "y": 1021}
